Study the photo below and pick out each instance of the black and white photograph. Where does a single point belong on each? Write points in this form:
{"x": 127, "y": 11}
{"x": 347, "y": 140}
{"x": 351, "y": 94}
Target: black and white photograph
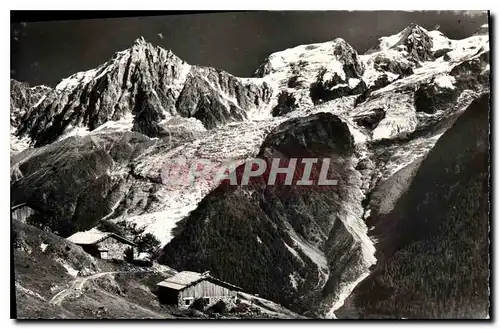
{"x": 250, "y": 165}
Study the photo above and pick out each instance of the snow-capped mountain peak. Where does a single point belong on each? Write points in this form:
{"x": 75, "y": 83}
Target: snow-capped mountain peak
{"x": 314, "y": 72}
{"x": 411, "y": 31}
{"x": 148, "y": 84}
{"x": 130, "y": 117}
{"x": 413, "y": 40}
{"x": 140, "y": 51}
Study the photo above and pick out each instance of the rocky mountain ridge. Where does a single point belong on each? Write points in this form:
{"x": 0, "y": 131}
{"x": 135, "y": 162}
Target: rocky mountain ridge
{"x": 121, "y": 123}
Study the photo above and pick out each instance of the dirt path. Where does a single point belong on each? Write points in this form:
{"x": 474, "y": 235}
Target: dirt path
{"x": 76, "y": 287}
{"x": 153, "y": 314}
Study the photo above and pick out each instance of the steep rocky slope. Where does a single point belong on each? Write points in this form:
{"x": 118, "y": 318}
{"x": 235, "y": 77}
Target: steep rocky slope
{"x": 433, "y": 246}
{"x": 22, "y": 98}
{"x": 99, "y": 147}
{"x": 73, "y": 183}
{"x": 282, "y": 241}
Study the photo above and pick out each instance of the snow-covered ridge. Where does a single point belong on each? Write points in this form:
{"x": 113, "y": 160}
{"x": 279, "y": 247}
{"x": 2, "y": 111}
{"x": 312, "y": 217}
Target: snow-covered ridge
{"x": 334, "y": 63}
{"x": 296, "y": 69}
{"x": 151, "y": 84}
{"x": 140, "y": 51}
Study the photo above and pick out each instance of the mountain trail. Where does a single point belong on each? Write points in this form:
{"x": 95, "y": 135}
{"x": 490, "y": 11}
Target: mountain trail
{"x": 77, "y": 286}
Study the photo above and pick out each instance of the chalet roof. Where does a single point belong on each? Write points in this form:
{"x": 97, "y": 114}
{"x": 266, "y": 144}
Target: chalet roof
{"x": 186, "y": 279}
{"x": 95, "y": 236}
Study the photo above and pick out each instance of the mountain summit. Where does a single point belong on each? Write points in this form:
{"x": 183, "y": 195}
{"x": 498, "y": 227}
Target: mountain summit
{"x": 100, "y": 149}
{"x": 142, "y": 87}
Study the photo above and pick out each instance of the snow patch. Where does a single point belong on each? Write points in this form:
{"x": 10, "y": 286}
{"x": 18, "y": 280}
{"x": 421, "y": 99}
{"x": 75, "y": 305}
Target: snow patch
{"x": 124, "y": 124}
{"x": 293, "y": 252}
{"x": 71, "y": 131}
{"x": 43, "y": 246}
{"x": 395, "y": 126}
{"x": 439, "y": 40}
{"x": 71, "y": 271}
{"x": 19, "y": 144}
{"x": 353, "y": 82}
{"x": 445, "y": 81}
{"x": 161, "y": 223}
{"x": 76, "y": 79}
{"x": 293, "y": 280}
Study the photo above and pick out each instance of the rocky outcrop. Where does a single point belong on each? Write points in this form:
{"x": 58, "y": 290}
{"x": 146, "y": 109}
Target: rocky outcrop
{"x": 214, "y": 97}
{"x": 286, "y": 104}
{"x": 370, "y": 119}
{"x": 22, "y": 99}
{"x": 416, "y": 42}
{"x": 442, "y": 52}
{"x": 399, "y": 66}
{"x": 437, "y": 95}
{"x": 473, "y": 73}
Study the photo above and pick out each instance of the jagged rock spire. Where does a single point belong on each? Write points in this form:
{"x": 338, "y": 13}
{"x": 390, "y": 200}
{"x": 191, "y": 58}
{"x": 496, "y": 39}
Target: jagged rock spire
{"x": 140, "y": 41}
{"x": 417, "y": 42}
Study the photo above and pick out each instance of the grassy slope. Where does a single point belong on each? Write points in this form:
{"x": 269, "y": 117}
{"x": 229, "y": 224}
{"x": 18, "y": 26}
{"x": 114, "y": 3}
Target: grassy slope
{"x": 127, "y": 294}
{"x": 39, "y": 276}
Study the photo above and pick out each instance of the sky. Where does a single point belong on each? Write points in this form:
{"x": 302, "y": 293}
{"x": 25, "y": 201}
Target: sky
{"x": 44, "y": 52}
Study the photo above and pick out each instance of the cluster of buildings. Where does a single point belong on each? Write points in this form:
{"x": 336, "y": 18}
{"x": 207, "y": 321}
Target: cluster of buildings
{"x": 181, "y": 289}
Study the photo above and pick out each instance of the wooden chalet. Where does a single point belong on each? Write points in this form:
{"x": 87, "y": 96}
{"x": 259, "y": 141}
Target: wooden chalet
{"x": 105, "y": 245}
{"x": 185, "y": 287}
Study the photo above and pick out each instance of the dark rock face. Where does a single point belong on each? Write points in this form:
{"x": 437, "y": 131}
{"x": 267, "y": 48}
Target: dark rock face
{"x": 22, "y": 99}
{"x": 286, "y": 104}
{"x": 473, "y": 74}
{"x": 325, "y": 89}
{"x": 416, "y": 42}
{"x": 385, "y": 64}
{"x": 150, "y": 83}
{"x": 243, "y": 234}
{"x": 371, "y": 119}
{"x": 441, "y": 52}
{"x": 434, "y": 244}
{"x": 347, "y": 55}
{"x": 200, "y": 99}
{"x": 431, "y": 98}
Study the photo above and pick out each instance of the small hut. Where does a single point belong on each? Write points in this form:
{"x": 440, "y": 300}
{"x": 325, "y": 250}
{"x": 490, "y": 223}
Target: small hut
{"x": 185, "y": 287}
{"x": 105, "y": 245}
